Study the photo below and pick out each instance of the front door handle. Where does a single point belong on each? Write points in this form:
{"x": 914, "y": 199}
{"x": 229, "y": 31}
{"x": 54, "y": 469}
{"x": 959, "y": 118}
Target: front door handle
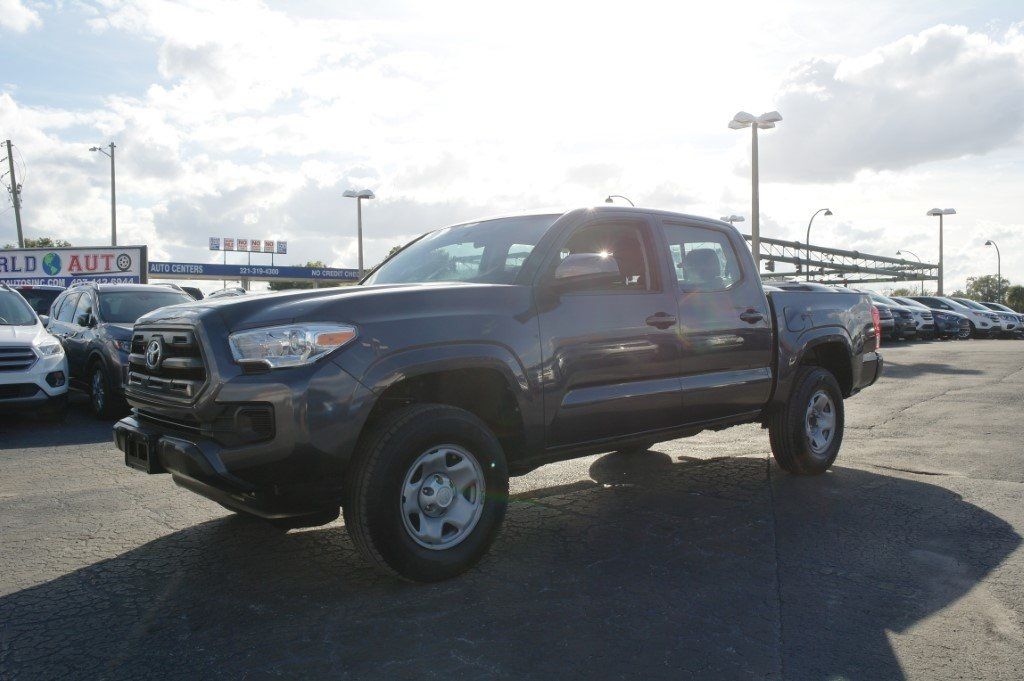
{"x": 751, "y": 316}
{"x": 661, "y": 320}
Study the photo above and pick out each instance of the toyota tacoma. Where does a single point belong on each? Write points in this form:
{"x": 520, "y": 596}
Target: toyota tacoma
{"x": 480, "y": 351}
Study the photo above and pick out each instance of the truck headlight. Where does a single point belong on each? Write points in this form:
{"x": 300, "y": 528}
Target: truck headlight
{"x": 49, "y": 348}
{"x": 289, "y": 345}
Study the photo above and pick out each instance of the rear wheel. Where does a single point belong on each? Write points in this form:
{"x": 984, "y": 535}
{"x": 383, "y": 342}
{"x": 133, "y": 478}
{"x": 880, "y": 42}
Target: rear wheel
{"x": 427, "y": 492}
{"x": 807, "y": 431}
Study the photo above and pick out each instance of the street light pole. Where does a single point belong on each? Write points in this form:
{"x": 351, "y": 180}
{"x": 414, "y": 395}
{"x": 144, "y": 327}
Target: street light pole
{"x": 918, "y": 259}
{"x": 999, "y": 271}
{"x": 619, "y": 196}
{"x": 811, "y": 222}
{"x": 359, "y": 196}
{"x": 113, "y": 193}
{"x": 941, "y": 212}
{"x": 744, "y": 120}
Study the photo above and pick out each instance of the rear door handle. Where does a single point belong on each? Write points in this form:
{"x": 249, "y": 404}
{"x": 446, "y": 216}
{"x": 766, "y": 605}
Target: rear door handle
{"x": 661, "y": 320}
{"x": 751, "y": 316}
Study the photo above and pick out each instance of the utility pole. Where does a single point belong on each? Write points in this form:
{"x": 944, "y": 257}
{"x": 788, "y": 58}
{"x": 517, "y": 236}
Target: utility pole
{"x": 15, "y": 195}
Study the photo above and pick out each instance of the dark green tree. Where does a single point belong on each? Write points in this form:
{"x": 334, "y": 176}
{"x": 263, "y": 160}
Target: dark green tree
{"x": 41, "y": 242}
{"x": 1015, "y": 297}
{"x": 987, "y": 288}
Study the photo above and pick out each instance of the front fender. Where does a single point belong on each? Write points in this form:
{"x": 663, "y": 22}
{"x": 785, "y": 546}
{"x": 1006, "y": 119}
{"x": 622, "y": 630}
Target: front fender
{"x": 427, "y": 359}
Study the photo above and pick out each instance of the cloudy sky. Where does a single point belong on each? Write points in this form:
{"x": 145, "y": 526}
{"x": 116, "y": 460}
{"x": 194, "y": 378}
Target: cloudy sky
{"x": 250, "y": 118}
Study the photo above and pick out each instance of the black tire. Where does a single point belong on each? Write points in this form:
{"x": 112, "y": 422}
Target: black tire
{"x": 103, "y": 403}
{"x": 383, "y": 462}
{"x": 788, "y": 426}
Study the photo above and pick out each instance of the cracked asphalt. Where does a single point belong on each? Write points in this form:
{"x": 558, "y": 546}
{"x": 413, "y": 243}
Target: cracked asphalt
{"x": 699, "y": 558}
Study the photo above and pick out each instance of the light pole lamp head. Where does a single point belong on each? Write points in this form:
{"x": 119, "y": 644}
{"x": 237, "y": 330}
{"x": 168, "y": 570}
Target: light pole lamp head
{"x": 358, "y": 194}
{"x": 828, "y": 212}
{"x": 732, "y": 218}
{"x": 942, "y": 211}
{"x": 742, "y": 119}
{"x": 990, "y": 243}
{"x": 94, "y": 148}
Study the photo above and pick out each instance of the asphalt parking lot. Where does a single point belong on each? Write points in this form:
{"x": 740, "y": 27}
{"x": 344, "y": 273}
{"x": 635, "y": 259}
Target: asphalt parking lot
{"x": 697, "y": 559}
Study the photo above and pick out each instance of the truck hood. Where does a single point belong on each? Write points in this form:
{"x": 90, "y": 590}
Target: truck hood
{"x": 252, "y": 311}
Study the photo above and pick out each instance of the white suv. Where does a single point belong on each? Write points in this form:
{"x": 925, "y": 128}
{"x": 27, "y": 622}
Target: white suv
{"x": 33, "y": 368}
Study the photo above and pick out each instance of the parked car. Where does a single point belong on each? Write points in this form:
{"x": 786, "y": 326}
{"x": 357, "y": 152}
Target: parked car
{"x": 480, "y": 351}
{"x": 230, "y": 292}
{"x": 94, "y": 324}
{"x": 983, "y": 324}
{"x": 946, "y": 323}
{"x": 887, "y": 321}
{"x": 903, "y": 317}
{"x": 40, "y": 297}
{"x": 33, "y": 368}
{"x": 191, "y": 290}
{"x": 1008, "y": 323}
{"x": 924, "y": 321}
{"x": 1001, "y": 309}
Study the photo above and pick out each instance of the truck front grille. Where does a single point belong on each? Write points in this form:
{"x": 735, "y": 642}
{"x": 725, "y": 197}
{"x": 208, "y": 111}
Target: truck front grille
{"x": 16, "y": 358}
{"x": 179, "y": 373}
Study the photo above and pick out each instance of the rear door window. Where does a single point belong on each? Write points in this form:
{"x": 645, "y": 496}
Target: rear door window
{"x": 702, "y": 259}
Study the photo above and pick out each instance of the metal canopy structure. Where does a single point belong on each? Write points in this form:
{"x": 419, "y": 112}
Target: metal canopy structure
{"x": 836, "y": 266}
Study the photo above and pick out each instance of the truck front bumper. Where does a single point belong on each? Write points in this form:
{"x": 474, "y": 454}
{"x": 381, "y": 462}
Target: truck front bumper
{"x": 296, "y": 469}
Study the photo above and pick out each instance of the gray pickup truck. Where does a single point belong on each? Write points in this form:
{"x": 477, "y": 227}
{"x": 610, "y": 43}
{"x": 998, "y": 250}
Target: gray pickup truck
{"x": 480, "y": 351}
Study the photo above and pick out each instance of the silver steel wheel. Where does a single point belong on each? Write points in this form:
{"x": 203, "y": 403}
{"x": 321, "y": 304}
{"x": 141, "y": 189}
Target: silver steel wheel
{"x": 99, "y": 396}
{"x": 820, "y": 422}
{"x": 442, "y": 497}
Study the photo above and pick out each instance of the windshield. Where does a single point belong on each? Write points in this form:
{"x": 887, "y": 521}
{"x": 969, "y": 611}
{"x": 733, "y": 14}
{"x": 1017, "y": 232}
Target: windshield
{"x": 879, "y": 298}
{"x": 39, "y": 299}
{"x": 14, "y": 311}
{"x": 124, "y": 307}
{"x": 912, "y": 303}
{"x": 971, "y": 304}
{"x": 997, "y": 306}
{"x": 492, "y": 252}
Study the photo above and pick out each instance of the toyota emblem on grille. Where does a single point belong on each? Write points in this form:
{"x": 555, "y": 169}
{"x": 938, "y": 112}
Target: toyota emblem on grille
{"x": 154, "y": 353}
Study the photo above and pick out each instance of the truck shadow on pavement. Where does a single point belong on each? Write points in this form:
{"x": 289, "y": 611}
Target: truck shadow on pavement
{"x": 657, "y": 568}
{"x": 918, "y": 369}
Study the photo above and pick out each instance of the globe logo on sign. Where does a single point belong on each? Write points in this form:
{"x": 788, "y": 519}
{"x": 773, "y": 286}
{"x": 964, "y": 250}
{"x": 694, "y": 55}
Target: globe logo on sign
{"x": 51, "y": 264}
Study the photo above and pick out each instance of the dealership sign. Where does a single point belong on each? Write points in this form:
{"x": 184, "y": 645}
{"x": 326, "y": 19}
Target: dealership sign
{"x": 196, "y": 270}
{"x": 61, "y": 266}
{"x": 250, "y": 245}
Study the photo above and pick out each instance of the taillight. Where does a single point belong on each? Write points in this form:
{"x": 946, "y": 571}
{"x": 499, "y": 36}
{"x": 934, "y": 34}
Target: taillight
{"x": 876, "y": 321}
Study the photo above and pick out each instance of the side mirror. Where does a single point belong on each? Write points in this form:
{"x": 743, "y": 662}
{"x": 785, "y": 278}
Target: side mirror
{"x": 44, "y": 320}
{"x": 586, "y": 271}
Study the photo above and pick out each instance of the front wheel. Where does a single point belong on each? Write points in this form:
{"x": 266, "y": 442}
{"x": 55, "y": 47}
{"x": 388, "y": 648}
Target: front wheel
{"x": 807, "y": 431}
{"x": 102, "y": 400}
{"x": 427, "y": 492}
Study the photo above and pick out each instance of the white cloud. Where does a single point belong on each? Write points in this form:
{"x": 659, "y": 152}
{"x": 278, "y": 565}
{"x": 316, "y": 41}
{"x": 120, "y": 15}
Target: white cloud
{"x": 259, "y": 116}
{"x": 15, "y": 16}
{"x": 943, "y": 93}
